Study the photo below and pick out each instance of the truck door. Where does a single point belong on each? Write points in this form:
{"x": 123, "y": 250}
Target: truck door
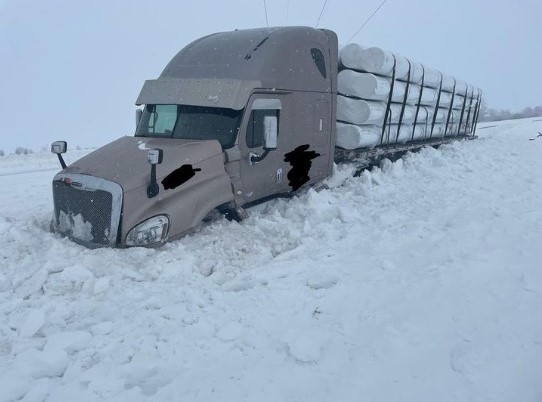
{"x": 263, "y": 172}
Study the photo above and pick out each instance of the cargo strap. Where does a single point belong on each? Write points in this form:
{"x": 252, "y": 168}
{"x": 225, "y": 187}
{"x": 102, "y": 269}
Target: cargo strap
{"x": 426, "y": 124}
{"x": 407, "y": 88}
{"x": 387, "y": 115}
{"x": 467, "y": 129}
{"x": 450, "y": 110}
{"x": 436, "y": 107}
{"x": 463, "y": 110}
{"x": 418, "y": 105}
{"x": 477, "y": 112}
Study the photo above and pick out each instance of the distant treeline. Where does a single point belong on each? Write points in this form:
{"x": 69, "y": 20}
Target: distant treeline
{"x": 26, "y": 151}
{"x": 488, "y": 114}
{"x": 18, "y": 151}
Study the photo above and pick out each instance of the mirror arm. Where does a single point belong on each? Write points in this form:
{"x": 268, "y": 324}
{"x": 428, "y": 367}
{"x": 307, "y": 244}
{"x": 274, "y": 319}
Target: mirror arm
{"x": 153, "y": 189}
{"x": 61, "y": 160}
{"x": 154, "y": 157}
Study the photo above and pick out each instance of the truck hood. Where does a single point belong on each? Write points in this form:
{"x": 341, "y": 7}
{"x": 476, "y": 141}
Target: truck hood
{"x": 124, "y": 161}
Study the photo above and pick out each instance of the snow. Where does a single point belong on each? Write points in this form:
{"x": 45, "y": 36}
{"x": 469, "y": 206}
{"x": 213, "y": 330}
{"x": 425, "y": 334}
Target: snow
{"x": 417, "y": 281}
{"x": 141, "y": 145}
{"x": 38, "y": 364}
{"x": 32, "y": 323}
{"x": 40, "y": 161}
{"x": 75, "y": 225}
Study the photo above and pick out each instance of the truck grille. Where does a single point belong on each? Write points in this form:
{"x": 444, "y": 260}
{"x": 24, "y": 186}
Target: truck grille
{"x": 86, "y": 212}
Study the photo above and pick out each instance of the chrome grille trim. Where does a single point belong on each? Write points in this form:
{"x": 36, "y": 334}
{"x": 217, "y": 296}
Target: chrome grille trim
{"x": 82, "y": 182}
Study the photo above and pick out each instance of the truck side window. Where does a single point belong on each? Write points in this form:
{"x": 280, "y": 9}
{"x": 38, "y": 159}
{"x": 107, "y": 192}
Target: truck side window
{"x": 319, "y": 60}
{"x": 162, "y": 119}
{"x": 255, "y": 128}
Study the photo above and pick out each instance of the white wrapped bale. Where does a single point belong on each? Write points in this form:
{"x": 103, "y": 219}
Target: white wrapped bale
{"x": 367, "y": 91}
{"x": 461, "y": 87}
{"x": 379, "y": 61}
{"x": 440, "y": 129}
{"x": 430, "y": 97}
{"x": 369, "y": 86}
{"x": 405, "y": 134}
{"x": 445, "y": 99}
{"x": 432, "y": 80}
{"x": 421, "y": 132}
{"x": 350, "y": 136}
{"x": 350, "y": 55}
{"x": 361, "y": 111}
{"x": 458, "y": 101}
{"x": 424, "y": 113}
{"x": 472, "y": 93}
{"x": 442, "y": 115}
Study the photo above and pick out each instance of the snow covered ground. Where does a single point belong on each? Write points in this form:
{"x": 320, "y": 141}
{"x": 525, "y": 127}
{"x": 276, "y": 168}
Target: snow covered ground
{"x": 418, "y": 281}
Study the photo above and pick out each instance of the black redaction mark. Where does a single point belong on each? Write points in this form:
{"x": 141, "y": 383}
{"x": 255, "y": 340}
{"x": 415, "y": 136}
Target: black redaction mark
{"x": 300, "y": 160}
{"x": 179, "y": 176}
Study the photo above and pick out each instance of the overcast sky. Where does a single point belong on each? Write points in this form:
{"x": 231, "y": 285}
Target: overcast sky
{"x": 73, "y": 69}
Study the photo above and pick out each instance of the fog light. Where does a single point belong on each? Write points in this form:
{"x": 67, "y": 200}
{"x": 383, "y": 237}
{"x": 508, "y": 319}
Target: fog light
{"x": 153, "y": 230}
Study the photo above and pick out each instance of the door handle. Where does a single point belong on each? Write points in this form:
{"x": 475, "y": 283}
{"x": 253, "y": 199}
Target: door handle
{"x": 279, "y": 175}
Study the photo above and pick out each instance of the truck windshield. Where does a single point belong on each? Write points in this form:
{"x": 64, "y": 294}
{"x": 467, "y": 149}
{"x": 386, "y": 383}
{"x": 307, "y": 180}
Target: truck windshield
{"x": 190, "y": 122}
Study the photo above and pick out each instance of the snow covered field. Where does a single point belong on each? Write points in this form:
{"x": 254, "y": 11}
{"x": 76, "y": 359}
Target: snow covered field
{"x": 419, "y": 281}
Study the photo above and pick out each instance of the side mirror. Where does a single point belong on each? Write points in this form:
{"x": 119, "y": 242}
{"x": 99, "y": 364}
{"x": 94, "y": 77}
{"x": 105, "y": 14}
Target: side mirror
{"x": 138, "y": 114}
{"x": 270, "y": 132}
{"x": 154, "y": 156}
{"x": 59, "y": 147}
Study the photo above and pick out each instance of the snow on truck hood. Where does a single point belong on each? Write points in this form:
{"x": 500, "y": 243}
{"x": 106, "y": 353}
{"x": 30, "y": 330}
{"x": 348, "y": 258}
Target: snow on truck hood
{"x": 124, "y": 161}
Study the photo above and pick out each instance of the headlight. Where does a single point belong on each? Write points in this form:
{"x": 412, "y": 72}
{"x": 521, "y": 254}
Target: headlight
{"x": 153, "y": 230}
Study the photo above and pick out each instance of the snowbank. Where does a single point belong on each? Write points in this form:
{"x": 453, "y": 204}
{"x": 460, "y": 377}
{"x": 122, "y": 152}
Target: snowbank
{"x": 418, "y": 281}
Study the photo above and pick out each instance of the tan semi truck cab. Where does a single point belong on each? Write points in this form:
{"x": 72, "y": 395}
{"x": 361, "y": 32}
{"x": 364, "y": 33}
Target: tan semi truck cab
{"x": 234, "y": 118}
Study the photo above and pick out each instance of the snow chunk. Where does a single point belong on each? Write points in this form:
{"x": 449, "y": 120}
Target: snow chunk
{"x": 386, "y": 165}
{"x": 76, "y": 274}
{"x": 49, "y": 363}
{"x": 322, "y": 282}
{"x": 308, "y": 350}
{"x": 14, "y": 386}
{"x": 76, "y": 225}
{"x": 32, "y": 323}
{"x": 230, "y": 332}
{"x": 5, "y": 284}
{"x": 39, "y": 391}
{"x": 69, "y": 341}
{"x": 239, "y": 284}
{"x": 32, "y": 284}
{"x": 73, "y": 278}
{"x": 101, "y": 285}
{"x": 103, "y": 328}
{"x": 141, "y": 145}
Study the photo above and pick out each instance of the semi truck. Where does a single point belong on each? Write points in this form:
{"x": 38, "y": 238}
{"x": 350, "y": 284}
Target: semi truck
{"x": 234, "y": 119}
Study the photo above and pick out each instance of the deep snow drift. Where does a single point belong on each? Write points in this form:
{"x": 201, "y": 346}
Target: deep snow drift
{"x": 418, "y": 281}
